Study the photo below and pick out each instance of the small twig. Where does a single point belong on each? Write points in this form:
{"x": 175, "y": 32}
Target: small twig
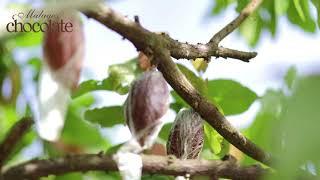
{"x": 35, "y": 169}
{"x": 12, "y": 138}
{"x": 229, "y": 28}
{"x": 179, "y": 50}
{"x": 226, "y": 52}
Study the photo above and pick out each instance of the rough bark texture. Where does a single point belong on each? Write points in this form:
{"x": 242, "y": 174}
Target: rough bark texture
{"x": 151, "y": 164}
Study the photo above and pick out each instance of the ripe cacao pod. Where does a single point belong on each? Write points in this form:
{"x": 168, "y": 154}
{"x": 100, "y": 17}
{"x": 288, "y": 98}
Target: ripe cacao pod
{"x": 147, "y": 102}
{"x": 186, "y": 135}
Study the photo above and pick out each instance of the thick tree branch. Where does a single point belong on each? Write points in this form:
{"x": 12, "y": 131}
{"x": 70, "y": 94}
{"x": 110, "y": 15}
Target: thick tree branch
{"x": 12, "y": 138}
{"x": 229, "y": 28}
{"x": 149, "y": 42}
{"x": 35, "y": 169}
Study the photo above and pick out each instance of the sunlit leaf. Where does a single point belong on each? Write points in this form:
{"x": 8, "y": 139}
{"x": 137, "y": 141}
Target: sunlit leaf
{"x": 298, "y": 7}
{"x": 121, "y": 75}
{"x": 231, "y": 96}
{"x": 200, "y": 64}
{"x": 28, "y": 39}
{"x": 119, "y": 79}
{"x": 215, "y": 140}
{"x": 281, "y": 6}
{"x": 251, "y": 29}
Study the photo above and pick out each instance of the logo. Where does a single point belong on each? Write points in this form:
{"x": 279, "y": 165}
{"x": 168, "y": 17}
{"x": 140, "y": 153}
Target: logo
{"x": 37, "y": 20}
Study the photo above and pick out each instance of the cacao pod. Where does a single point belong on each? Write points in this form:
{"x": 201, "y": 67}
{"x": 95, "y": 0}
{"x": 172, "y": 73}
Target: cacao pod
{"x": 147, "y": 102}
{"x": 64, "y": 51}
{"x": 186, "y": 135}
{"x": 63, "y": 55}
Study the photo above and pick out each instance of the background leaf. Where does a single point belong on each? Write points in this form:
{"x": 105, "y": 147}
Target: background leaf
{"x": 28, "y": 39}
{"x": 231, "y": 96}
{"x": 106, "y": 116}
{"x": 290, "y": 76}
{"x": 165, "y": 131}
{"x": 119, "y": 79}
{"x": 79, "y": 132}
{"x": 196, "y": 81}
{"x": 281, "y": 7}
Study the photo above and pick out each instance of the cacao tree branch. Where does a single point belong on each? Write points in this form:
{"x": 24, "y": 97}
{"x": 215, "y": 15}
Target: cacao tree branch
{"x": 229, "y": 28}
{"x": 153, "y": 43}
{"x": 12, "y": 138}
{"x": 167, "y": 165}
{"x": 142, "y": 38}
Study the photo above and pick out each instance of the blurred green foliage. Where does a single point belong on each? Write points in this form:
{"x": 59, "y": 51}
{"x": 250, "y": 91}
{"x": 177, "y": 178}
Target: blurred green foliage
{"x": 266, "y": 18}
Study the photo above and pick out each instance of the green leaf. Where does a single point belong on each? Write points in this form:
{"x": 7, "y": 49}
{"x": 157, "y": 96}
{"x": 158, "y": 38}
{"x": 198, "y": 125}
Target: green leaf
{"x": 241, "y": 4}
{"x": 231, "y": 96}
{"x": 9, "y": 115}
{"x": 298, "y": 7}
{"x": 178, "y": 103}
{"x": 290, "y": 76}
{"x": 200, "y": 64}
{"x": 196, "y": 81}
{"x": 70, "y": 176}
{"x": 316, "y": 3}
{"x": 121, "y": 75}
{"x": 156, "y": 177}
{"x": 165, "y": 131}
{"x": 265, "y": 125}
{"x": 106, "y": 116}
{"x": 215, "y": 140}
{"x": 298, "y": 129}
{"x": 281, "y": 6}
{"x": 114, "y": 149}
{"x": 308, "y": 23}
{"x": 79, "y": 132}
{"x": 28, "y": 39}
{"x": 119, "y": 79}
{"x": 212, "y": 136}
{"x": 221, "y": 5}
{"x": 270, "y": 16}
{"x": 251, "y": 29}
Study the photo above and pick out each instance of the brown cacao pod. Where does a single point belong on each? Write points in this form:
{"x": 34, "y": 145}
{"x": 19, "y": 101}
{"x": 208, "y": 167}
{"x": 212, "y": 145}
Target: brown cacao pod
{"x": 64, "y": 50}
{"x": 147, "y": 102}
{"x": 186, "y": 135}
